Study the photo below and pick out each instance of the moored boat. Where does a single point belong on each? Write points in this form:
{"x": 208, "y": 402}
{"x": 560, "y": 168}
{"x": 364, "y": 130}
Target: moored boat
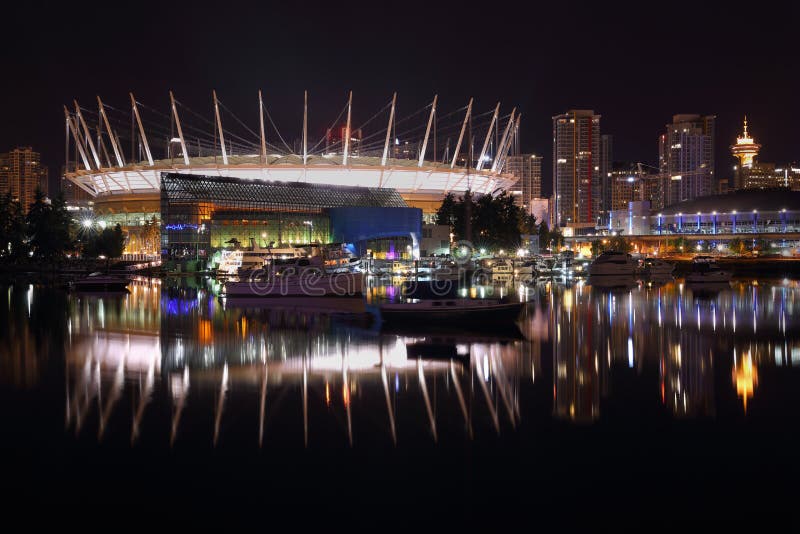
{"x": 308, "y": 284}
{"x": 611, "y": 263}
{"x": 102, "y": 283}
{"x": 705, "y": 269}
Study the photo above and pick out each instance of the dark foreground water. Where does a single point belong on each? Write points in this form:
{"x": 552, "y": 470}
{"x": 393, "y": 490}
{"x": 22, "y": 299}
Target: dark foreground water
{"x": 658, "y": 403}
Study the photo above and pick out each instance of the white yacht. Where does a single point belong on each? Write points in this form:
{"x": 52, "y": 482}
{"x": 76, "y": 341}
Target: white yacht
{"x": 243, "y": 262}
{"x": 612, "y": 263}
{"x": 705, "y": 269}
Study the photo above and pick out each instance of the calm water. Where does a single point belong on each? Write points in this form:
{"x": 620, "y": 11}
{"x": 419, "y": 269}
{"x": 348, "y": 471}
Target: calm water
{"x": 648, "y": 398}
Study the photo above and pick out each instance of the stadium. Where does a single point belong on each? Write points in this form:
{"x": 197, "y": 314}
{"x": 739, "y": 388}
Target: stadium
{"x": 212, "y": 178}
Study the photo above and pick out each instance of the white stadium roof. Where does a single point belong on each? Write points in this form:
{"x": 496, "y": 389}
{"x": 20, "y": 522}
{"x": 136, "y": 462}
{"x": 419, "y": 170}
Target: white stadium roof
{"x": 359, "y": 156}
{"x": 404, "y": 175}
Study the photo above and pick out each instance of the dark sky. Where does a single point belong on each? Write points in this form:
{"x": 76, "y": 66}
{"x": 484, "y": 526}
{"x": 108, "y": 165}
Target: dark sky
{"x": 636, "y": 64}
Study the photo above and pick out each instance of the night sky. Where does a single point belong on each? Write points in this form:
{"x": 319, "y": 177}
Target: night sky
{"x": 635, "y": 65}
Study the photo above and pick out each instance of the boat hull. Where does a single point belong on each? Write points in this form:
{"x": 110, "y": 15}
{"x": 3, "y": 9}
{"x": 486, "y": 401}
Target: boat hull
{"x": 101, "y": 287}
{"x": 347, "y": 304}
{"x": 611, "y": 269}
{"x": 312, "y": 286}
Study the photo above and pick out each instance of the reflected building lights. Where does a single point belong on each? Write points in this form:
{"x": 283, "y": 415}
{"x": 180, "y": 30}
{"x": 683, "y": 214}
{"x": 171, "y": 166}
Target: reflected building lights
{"x": 601, "y": 338}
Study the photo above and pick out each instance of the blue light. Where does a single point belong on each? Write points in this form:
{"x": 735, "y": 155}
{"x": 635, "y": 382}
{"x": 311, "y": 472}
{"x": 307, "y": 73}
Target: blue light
{"x": 181, "y": 226}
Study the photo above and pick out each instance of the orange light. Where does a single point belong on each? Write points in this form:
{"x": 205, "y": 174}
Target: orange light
{"x": 204, "y": 331}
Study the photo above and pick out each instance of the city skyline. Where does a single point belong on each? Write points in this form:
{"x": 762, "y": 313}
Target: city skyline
{"x": 629, "y": 90}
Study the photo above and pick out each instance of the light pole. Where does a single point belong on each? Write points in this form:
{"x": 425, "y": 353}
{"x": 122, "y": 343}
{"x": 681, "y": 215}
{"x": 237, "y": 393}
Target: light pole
{"x": 310, "y": 225}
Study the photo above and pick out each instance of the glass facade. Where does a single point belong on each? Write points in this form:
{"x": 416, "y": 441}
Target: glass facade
{"x": 202, "y": 213}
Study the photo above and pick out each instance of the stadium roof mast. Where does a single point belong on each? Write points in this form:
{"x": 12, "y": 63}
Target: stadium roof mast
{"x": 479, "y": 166}
{"x": 427, "y": 131}
{"x": 305, "y": 127}
{"x": 261, "y": 123}
{"x": 461, "y": 135}
{"x": 347, "y": 130}
{"x": 76, "y": 136}
{"x": 388, "y": 132}
{"x": 503, "y": 142}
{"x": 180, "y": 131}
{"x": 87, "y": 134}
{"x": 141, "y": 131}
{"x": 111, "y": 136}
{"x": 219, "y": 126}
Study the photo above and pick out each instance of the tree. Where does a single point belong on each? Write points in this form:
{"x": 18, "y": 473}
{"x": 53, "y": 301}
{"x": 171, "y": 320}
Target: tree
{"x": 528, "y": 224}
{"x": 109, "y": 243}
{"x": 446, "y": 214}
{"x": 679, "y": 244}
{"x": 737, "y": 246}
{"x": 492, "y": 221}
{"x": 544, "y": 235}
{"x": 151, "y": 236}
{"x": 618, "y": 243}
{"x": 12, "y": 228}
{"x": 48, "y": 226}
{"x": 597, "y": 248}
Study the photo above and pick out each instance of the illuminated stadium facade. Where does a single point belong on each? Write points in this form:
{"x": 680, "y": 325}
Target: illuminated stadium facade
{"x": 421, "y": 156}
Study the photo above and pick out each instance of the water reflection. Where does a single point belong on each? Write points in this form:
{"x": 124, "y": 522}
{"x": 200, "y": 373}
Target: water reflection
{"x": 169, "y": 362}
{"x": 28, "y": 341}
{"x": 283, "y": 359}
{"x": 610, "y": 331}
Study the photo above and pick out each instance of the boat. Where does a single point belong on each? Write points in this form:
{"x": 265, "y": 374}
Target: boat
{"x": 303, "y": 284}
{"x": 705, "y": 269}
{"x": 502, "y": 271}
{"x": 611, "y": 263}
{"x": 525, "y": 272}
{"x": 100, "y": 282}
{"x": 454, "y": 310}
{"x": 244, "y": 262}
{"x": 337, "y": 258}
{"x": 655, "y": 267}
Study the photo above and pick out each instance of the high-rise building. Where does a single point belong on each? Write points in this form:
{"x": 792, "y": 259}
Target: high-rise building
{"x": 626, "y": 185}
{"x": 632, "y": 182}
{"x": 527, "y": 168}
{"x": 606, "y": 167}
{"x": 576, "y": 167}
{"x": 686, "y": 158}
{"x": 21, "y": 172}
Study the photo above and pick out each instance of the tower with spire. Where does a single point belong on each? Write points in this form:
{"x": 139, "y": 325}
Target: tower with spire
{"x": 745, "y": 149}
